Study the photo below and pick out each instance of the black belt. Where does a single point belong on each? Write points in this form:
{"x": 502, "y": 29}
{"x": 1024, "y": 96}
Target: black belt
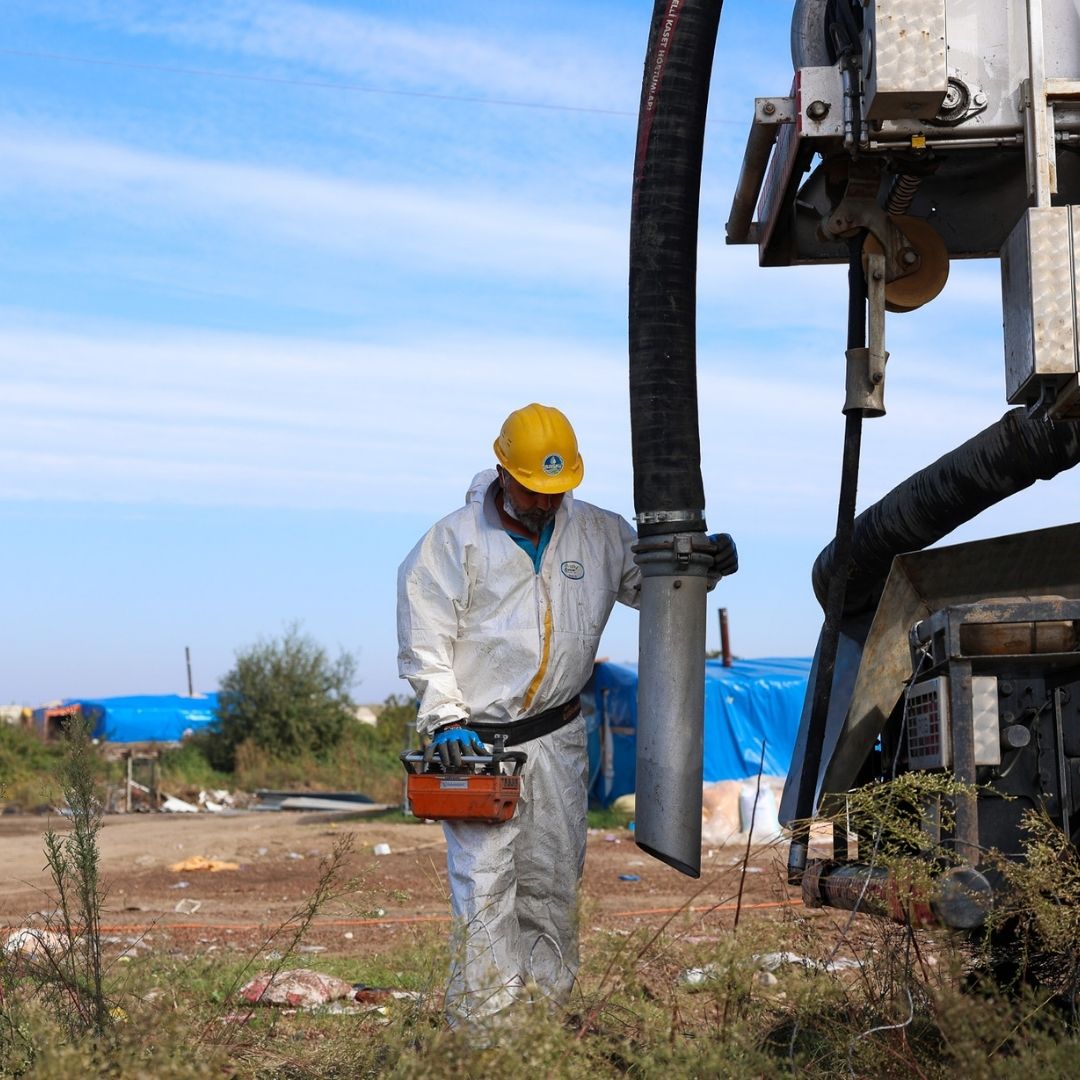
{"x": 529, "y": 727}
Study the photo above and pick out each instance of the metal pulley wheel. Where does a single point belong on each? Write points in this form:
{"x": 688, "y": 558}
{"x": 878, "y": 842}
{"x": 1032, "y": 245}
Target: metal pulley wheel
{"x": 924, "y": 283}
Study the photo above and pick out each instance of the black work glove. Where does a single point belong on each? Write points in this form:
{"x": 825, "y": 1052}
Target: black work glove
{"x": 726, "y": 560}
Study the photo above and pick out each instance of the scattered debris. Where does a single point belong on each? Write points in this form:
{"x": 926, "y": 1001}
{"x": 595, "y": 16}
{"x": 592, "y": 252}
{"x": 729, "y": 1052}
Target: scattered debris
{"x": 201, "y": 862}
{"x": 695, "y": 978}
{"x": 351, "y": 801}
{"x": 216, "y": 801}
{"x": 629, "y": 877}
{"x": 380, "y": 995}
{"x": 187, "y": 907}
{"x": 381, "y": 849}
{"x": 757, "y": 806}
{"x": 34, "y": 944}
{"x": 172, "y": 805}
{"x": 766, "y": 963}
{"x": 131, "y": 944}
{"x": 311, "y": 948}
{"x": 772, "y": 961}
{"x": 299, "y": 988}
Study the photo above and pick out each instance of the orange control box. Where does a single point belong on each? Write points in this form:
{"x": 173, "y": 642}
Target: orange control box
{"x": 463, "y": 796}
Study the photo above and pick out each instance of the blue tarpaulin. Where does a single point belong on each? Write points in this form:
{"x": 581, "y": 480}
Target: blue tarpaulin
{"x": 148, "y": 717}
{"x": 751, "y": 703}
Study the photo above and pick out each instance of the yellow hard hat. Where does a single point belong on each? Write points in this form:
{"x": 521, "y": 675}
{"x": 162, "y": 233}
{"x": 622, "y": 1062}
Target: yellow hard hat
{"x": 538, "y": 448}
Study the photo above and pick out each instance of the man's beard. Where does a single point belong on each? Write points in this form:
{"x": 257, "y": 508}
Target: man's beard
{"x": 534, "y": 519}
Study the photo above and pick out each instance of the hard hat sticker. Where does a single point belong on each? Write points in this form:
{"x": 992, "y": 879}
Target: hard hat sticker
{"x": 573, "y": 570}
{"x": 553, "y": 464}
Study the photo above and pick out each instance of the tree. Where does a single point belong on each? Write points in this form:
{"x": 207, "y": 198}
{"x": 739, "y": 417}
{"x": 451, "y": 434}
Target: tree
{"x": 287, "y": 696}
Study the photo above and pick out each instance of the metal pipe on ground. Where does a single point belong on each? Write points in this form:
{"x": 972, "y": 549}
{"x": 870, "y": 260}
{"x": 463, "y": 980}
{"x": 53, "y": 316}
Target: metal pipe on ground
{"x": 669, "y": 497}
{"x": 960, "y": 898}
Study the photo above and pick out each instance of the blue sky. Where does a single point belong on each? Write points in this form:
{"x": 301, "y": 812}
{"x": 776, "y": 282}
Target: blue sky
{"x": 272, "y": 273}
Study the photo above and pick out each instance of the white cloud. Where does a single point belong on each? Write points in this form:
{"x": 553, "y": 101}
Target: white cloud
{"x": 398, "y": 224}
{"x": 430, "y": 54}
{"x": 126, "y": 414}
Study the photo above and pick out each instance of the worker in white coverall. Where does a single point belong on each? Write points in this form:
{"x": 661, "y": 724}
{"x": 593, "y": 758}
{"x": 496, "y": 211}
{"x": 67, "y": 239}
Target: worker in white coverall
{"x": 500, "y": 610}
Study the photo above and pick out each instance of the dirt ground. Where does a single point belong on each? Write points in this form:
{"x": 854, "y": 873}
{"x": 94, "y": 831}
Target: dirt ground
{"x": 278, "y": 856}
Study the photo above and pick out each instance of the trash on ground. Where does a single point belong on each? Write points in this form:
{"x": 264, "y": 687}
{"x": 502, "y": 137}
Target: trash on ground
{"x": 310, "y": 948}
{"x": 351, "y": 801}
{"x": 629, "y": 877}
{"x": 772, "y": 961}
{"x": 187, "y": 907}
{"x": 201, "y": 862}
{"x": 33, "y": 944}
{"x": 381, "y": 849}
{"x": 727, "y": 807}
{"x": 694, "y": 978}
{"x": 757, "y": 807}
{"x": 380, "y": 995}
{"x": 131, "y": 943}
{"x": 216, "y": 801}
{"x": 172, "y": 805}
{"x": 299, "y": 988}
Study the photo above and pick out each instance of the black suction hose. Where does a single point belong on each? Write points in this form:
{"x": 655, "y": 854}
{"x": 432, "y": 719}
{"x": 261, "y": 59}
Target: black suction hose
{"x": 663, "y": 266}
{"x": 999, "y": 461}
{"x": 829, "y": 641}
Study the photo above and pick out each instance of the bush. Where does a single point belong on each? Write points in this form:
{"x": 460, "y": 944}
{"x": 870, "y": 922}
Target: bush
{"x": 366, "y": 760}
{"x": 286, "y": 696}
{"x": 29, "y": 767}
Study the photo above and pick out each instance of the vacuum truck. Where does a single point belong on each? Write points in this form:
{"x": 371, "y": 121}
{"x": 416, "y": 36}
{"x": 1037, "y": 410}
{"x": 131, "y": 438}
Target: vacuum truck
{"x": 913, "y": 133}
{"x": 916, "y": 132}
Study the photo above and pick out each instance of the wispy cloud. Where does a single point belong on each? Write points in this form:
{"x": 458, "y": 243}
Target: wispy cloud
{"x": 126, "y": 414}
{"x": 399, "y": 224}
{"x": 430, "y": 54}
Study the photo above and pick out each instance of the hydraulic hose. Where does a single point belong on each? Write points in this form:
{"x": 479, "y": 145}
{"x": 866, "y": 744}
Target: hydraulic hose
{"x": 829, "y": 641}
{"x": 669, "y": 498}
{"x": 1008, "y": 456}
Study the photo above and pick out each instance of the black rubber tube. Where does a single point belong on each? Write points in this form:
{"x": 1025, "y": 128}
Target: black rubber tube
{"x": 663, "y": 265}
{"x": 829, "y": 641}
{"x": 1001, "y": 460}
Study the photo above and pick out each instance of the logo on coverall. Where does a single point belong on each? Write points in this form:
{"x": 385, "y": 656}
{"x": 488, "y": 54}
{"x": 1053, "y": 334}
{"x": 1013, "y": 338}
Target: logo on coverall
{"x": 573, "y": 570}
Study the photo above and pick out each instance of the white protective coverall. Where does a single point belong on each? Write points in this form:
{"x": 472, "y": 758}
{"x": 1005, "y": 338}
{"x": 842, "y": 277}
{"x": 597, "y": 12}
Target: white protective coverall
{"x": 482, "y": 636}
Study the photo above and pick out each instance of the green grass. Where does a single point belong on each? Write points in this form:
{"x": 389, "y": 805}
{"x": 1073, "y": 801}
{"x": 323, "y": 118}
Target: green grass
{"x": 912, "y": 1006}
{"x": 632, "y": 1017}
{"x": 608, "y": 818}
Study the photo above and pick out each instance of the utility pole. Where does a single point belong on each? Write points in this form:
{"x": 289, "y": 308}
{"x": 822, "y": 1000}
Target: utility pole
{"x": 187, "y": 657}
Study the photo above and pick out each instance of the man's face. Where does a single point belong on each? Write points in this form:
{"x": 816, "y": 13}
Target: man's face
{"x": 531, "y": 508}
